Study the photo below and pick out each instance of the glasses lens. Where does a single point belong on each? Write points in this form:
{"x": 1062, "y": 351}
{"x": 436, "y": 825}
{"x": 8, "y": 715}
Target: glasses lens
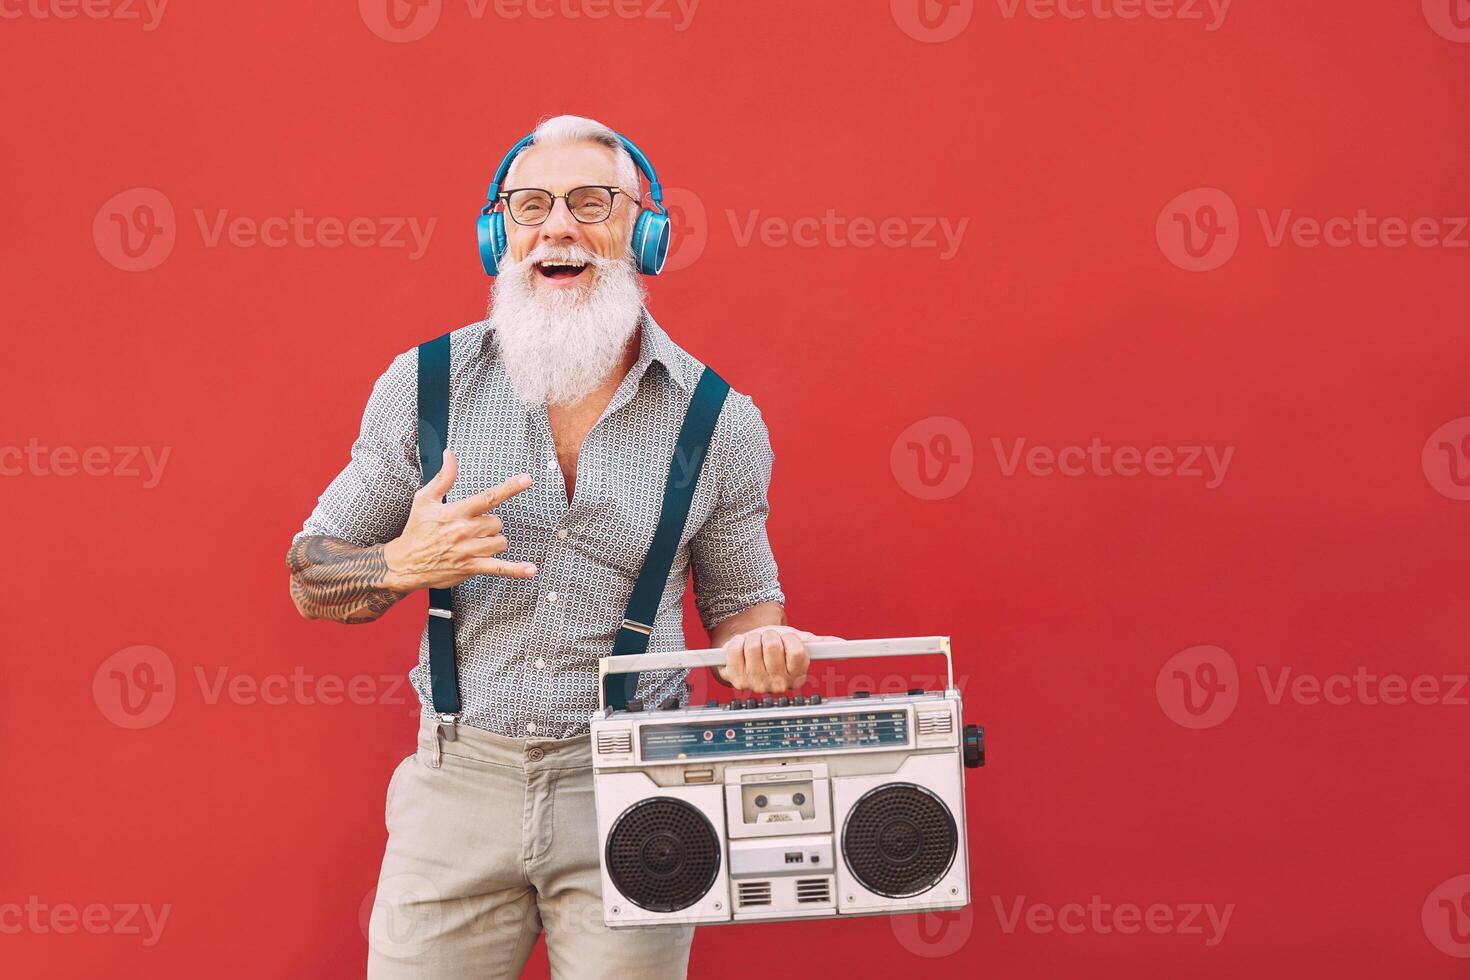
{"x": 529, "y": 207}
{"x": 590, "y": 203}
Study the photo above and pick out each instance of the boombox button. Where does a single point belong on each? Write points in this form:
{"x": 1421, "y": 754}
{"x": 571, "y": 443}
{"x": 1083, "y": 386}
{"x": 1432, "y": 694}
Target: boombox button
{"x": 860, "y": 694}
{"x": 814, "y": 699}
{"x": 712, "y": 703}
{"x": 915, "y": 691}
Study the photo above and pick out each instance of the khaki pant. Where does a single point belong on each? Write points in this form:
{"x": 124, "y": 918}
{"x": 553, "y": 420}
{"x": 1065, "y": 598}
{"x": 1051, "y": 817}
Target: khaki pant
{"x": 492, "y": 841}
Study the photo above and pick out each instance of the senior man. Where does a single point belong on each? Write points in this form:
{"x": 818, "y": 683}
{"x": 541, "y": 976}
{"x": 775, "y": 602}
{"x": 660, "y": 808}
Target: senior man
{"x": 564, "y": 409}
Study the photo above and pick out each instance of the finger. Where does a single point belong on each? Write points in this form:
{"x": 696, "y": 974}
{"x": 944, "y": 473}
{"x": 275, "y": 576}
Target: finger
{"x": 755, "y": 663}
{"x": 797, "y": 659}
{"x": 506, "y": 569}
{"x": 484, "y": 526}
{"x": 440, "y": 485}
{"x": 487, "y": 547}
{"x": 735, "y": 662}
{"x": 478, "y": 504}
{"x": 773, "y": 653}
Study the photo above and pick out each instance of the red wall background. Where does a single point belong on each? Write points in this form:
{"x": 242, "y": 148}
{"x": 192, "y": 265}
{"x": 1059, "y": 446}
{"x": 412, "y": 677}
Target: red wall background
{"x": 177, "y": 740}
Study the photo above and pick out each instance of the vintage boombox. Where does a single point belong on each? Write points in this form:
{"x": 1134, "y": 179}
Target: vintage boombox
{"x": 790, "y": 807}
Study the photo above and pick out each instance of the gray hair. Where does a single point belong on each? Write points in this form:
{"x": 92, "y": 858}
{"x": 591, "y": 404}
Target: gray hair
{"x": 579, "y": 129}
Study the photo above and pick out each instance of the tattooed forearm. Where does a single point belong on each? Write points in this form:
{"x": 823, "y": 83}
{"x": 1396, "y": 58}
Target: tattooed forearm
{"x": 331, "y": 579}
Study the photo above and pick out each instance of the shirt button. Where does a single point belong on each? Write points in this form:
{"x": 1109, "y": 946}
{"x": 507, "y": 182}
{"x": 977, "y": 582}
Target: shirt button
{"x": 540, "y": 664}
{"x": 551, "y": 597}
{"x": 550, "y": 464}
{"x": 530, "y": 728}
{"x": 563, "y": 533}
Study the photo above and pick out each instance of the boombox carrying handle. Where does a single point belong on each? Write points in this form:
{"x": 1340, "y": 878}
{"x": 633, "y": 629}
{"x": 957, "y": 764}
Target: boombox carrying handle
{"x": 912, "y": 646}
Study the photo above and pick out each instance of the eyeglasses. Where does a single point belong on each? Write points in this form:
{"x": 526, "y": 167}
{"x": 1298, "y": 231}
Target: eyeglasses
{"x": 532, "y": 205}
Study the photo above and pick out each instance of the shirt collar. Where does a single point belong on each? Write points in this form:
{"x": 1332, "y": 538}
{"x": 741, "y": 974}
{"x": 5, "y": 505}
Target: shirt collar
{"x": 653, "y": 345}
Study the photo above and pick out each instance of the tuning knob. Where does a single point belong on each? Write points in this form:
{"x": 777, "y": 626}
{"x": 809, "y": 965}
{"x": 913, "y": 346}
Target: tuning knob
{"x": 974, "y": 746}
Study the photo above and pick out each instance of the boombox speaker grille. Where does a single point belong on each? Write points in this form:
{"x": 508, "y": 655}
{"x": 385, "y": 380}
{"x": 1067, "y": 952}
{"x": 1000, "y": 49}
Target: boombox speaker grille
{"x": 899, "y": 840}
{"x": 662, "y": 854}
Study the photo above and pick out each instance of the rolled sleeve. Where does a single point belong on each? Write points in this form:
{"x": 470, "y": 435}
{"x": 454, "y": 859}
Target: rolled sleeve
{"x": 731, "y": 555}
{"x": 369, "y": 501}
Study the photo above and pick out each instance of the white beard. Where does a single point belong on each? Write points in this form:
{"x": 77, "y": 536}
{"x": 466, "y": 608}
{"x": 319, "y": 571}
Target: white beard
{"x": 560, "y": 345}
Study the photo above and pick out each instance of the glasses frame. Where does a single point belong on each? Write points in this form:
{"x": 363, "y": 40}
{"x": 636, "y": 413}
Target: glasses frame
{"x": 613, "y": 192}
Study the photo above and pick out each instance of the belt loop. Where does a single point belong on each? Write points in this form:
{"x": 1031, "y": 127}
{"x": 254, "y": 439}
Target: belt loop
{"x": 435, "y": 755}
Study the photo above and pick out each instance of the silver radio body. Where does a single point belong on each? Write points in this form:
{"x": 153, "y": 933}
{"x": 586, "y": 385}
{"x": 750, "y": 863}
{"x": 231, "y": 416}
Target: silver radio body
{"x": 789, "y": 808}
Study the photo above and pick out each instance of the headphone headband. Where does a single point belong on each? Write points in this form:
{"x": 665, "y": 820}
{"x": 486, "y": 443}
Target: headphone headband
{"x": 655, "y": 189}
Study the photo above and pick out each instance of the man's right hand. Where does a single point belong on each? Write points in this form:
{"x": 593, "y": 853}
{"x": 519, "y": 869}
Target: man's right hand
{"x": 443, "y": 544}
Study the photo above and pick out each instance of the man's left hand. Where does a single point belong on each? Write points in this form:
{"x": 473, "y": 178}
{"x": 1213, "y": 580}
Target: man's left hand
{"x": 768, "y": 659}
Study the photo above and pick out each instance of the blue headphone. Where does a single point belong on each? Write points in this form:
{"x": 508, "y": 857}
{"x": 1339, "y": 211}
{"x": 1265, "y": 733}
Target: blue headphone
{"x": 650, "y": 234}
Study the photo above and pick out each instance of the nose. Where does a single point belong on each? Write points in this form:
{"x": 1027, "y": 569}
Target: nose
{"x": 560, "y": 227}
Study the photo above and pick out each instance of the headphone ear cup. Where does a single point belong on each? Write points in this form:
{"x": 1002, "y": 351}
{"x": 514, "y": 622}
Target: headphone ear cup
{"x": 651, "y": 237}
{"x": 491, "y": 232}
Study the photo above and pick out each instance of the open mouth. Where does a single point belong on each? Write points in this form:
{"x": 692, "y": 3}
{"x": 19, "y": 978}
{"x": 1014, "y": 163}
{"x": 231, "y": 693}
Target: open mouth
{"x": 560, "y": 271}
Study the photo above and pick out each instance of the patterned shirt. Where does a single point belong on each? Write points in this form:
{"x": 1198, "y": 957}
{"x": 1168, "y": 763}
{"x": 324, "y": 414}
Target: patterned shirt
{"x": 528, "y": 648}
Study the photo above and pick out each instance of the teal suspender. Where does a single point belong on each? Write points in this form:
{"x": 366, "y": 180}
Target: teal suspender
{"x": 433, "y": 440}
{"x": 690, "y": 451}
